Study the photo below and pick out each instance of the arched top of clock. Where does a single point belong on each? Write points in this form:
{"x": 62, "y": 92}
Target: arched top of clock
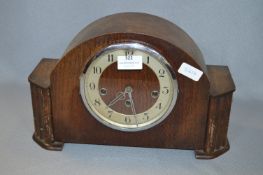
{"x": 140, "y": 24}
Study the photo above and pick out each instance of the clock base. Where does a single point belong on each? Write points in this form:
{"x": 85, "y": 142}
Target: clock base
{"x": 202, "y": 154}
{"x": 54, "y": 146}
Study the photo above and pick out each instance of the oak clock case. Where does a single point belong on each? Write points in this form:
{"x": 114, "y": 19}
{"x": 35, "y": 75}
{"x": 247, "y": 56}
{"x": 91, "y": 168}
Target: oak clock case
{"x": 132, "y": 79}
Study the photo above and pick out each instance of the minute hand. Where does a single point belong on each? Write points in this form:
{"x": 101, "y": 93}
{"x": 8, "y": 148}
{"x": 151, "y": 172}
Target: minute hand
{"x": 132, "y": 104}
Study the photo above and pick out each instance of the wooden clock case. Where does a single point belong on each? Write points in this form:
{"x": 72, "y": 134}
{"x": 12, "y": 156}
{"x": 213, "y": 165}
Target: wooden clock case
{"x": 199, "y": 120}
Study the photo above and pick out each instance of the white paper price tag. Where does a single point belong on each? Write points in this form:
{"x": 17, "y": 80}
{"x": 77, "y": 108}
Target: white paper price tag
{"x": 129, "y": 63}
{"x": 190, "y": 72}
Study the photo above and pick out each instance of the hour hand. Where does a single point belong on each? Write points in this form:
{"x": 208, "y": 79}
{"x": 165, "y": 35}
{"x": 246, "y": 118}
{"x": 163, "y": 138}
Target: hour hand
{"x": 128, "y": 90}
{"x": 120, "y": 96}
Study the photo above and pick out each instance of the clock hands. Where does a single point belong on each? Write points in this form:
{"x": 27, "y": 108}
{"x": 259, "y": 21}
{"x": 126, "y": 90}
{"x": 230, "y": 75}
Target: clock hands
{"x": 121, "y": 96}
{"x": 128, "y": 90}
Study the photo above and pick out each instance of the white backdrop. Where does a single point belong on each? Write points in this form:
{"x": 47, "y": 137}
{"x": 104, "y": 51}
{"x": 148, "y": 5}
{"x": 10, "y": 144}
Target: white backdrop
{"x": 228, "y": 32}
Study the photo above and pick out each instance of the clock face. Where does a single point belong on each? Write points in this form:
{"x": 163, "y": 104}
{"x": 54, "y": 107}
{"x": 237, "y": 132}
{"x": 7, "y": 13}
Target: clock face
{"x": 129, "y": 87}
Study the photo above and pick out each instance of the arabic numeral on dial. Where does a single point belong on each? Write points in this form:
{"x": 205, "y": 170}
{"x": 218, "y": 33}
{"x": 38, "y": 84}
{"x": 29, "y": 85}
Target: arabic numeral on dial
{"x": 148, "y": 60}
{"x": 92, "y": 86}
{"x": 110, "y": 57}
{"x": 97, "y": 70}
{"x": 127, "y": 120}
{"x": 110, "y": 113}
{"x": 97, "y": 102}
{"x": 146, "y": 115}
{"x": 165, "y": 90}
{"x": 161, "y": 73}
{"x": 128, "y": 55}
{"x": 159, "y": 106}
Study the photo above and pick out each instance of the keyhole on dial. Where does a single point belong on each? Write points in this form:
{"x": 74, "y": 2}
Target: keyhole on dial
{"x": 155, "y": 94}
{"x": 103, "y": 91}
{"x": 128, "y": 103}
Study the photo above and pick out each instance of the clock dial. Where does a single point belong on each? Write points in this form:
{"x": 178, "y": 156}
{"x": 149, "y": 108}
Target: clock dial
{"x": 129, "y": 87}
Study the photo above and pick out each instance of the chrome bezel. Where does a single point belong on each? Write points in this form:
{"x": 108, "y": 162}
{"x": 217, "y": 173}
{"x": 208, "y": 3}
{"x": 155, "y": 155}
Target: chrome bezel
{"x": 144, "y": 48}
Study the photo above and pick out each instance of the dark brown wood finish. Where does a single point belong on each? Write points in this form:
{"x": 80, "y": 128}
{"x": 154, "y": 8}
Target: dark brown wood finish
{"x": 199, "y": 120}
{"x": 187, "y": 120}
{"x": 222, "y": 88}
{"x": 41, "y": 102}
{"x": 144, "y": 24}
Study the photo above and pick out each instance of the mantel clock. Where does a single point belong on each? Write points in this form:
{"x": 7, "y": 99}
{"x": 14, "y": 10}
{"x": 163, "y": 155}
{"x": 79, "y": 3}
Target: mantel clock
{"x": 132, "y": 79}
